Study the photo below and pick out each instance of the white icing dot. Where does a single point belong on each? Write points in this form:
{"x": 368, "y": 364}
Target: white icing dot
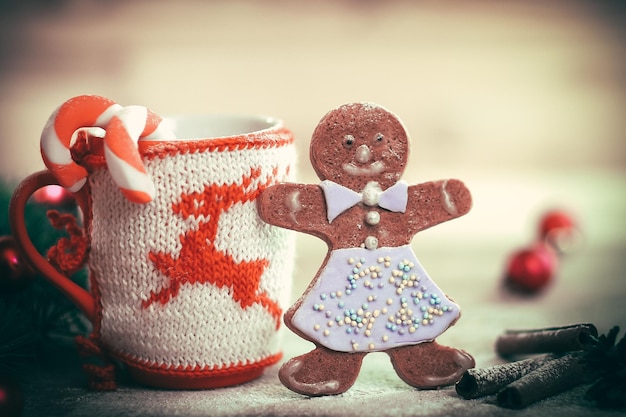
{"x": 372, "y": 218}
{"x": 371, "y": 242}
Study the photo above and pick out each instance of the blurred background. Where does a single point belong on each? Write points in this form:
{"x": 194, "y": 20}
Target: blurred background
{"x": 525, "y": 101}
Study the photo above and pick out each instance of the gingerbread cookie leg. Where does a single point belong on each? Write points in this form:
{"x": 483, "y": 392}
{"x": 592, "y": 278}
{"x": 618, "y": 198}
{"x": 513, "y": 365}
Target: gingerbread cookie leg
{"x": 430, "y": 365}
{"x": 321, "y": 372}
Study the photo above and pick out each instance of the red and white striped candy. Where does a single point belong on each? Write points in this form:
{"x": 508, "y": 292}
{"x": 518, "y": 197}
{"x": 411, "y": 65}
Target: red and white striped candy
{"x": 75, "y": 113}
{"x": 122, "y": 155}
{"x": 124, "y": 126}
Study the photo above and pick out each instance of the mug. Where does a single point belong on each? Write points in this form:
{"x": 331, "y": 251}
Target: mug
{"x": 187, "y": 290}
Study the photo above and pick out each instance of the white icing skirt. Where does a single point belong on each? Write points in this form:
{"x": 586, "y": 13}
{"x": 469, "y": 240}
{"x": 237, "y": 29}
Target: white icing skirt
{"x": 373, "y": 300}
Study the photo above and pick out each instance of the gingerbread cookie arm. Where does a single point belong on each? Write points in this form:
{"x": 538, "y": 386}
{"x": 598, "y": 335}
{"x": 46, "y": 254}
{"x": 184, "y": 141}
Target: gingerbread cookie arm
{"x": 435, "y": 202}
{"x": 299, "y": 207}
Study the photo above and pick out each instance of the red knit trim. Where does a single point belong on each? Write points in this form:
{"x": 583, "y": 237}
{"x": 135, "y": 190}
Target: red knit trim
{"x": 88, "y": 150}
{"x": 194, "y": 377}
{"x": 263, "y": 140}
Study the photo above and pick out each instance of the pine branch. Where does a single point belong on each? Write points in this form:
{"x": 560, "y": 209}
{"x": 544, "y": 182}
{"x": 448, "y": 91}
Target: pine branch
{"x": 608, "y": 359}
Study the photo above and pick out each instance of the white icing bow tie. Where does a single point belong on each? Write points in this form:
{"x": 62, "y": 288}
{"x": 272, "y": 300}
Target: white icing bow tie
{"x": 340, "y": 198}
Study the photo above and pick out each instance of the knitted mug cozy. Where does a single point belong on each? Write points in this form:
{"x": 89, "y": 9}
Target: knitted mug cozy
{"x": 189, "y": 289}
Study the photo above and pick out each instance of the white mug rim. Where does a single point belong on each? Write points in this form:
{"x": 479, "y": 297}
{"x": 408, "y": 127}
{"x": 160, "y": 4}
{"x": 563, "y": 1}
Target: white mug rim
{"x": 198, "y": 126}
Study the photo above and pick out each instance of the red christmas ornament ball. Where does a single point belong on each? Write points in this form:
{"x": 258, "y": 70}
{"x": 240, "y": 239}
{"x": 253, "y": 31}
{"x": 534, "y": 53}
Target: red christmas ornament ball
{"x": 11, "y": 397}
{"x": 54, "y": 195}
{"x": 15, "y": 274}
{"x": 555, "y": 220}
{"x": 558, "y": 229}
{"x": 530, "y": 270}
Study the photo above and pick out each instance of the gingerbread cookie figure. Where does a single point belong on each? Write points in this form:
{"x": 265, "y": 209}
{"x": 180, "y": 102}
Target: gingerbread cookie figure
{"x": 371, "y": 293}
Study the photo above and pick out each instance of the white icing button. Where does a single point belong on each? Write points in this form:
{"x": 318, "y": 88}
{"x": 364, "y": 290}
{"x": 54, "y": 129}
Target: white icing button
{"x": 371, "y": 242}
{"x": 372, "y": 218}
{"x": 371, "y": 193}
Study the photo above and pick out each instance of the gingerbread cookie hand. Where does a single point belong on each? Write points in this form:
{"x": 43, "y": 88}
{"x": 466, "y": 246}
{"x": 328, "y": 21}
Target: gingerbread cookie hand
{"x": 371, "y": 293}
{"x": 435, "y": 202}
{"x": 456, "y": 198}
{"x": 296, "y": 207}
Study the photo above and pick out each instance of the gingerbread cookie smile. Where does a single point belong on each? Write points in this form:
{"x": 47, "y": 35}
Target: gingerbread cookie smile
{"x": 371, "y": 293}
{"x": 375, "y": 168}
{"x": 362, "y": 163}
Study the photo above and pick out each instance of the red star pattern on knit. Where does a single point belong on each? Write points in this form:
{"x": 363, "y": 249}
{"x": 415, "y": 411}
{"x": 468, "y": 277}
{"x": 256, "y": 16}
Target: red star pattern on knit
{"x": 200, "y": 262}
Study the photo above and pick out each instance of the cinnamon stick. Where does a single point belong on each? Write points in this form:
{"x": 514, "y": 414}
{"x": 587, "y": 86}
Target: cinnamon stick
{"x": 555, "y": 376}
{"x": 477, "y": 383}
{"x": 548, "y": 340}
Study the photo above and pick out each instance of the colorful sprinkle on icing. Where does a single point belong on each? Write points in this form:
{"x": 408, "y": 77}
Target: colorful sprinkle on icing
{"x": 381, "y": 303}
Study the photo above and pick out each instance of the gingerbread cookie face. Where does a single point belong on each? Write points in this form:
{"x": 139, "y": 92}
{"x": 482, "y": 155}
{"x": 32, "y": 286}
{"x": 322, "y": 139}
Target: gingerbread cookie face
{"x": 371, "y": 293}
{"x": 358, "y": 143}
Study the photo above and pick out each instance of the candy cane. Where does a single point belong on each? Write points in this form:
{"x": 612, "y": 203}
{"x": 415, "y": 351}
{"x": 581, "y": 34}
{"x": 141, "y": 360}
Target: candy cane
{"x": 75, "y": 113}
{"x": 122, "y": 156}
{"x": 123, "y": 126}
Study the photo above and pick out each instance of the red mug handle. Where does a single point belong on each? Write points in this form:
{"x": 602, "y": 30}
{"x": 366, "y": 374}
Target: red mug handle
{"x": 77, "y": 294}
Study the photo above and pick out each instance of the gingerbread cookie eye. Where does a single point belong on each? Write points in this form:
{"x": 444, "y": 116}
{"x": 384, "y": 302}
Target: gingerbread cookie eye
{"x": 379, "y": 139}
{"x": 348, "y": 141}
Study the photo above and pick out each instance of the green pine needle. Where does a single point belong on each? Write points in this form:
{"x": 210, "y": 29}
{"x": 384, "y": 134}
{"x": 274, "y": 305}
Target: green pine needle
{"x": 608, "y": 359}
